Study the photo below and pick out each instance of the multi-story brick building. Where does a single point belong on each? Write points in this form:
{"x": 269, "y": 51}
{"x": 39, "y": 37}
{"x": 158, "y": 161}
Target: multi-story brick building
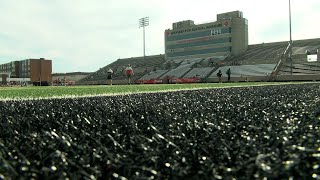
{"x": 28, "y": 70}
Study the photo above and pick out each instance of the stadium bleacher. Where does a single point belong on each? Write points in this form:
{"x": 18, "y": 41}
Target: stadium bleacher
{"x": 269, "y": 53}
{"x": 246, "y": 70}
{"x": 140, "y": 65}
{"x": 260, "y": 60}
{"x": 300, "y": 65}
{"x": 153, "y": 75}
{"x": 199, "y": 72}
{"x": 300, "y": 69}
{"x": 179, "y": 71}
{"x": 257, "y": 72}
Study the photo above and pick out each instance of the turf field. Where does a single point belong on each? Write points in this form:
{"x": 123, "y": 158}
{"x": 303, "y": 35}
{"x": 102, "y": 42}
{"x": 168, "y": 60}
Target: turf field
{"x": 252, "y": 132}
{"x": 75, "y": 91}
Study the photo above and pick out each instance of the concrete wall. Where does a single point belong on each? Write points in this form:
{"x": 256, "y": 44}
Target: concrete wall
{"x": 239, "y": 35}
{"x": 233, "y": 14}
{"x": 69, "y": 77}
{"x": 313, "y": 77}
{"x": 241, "y": 79}
{"x": 267, "y": 78}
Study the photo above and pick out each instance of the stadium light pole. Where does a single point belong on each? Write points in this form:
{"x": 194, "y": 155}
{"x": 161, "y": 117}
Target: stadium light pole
{"x": 143, "y": 22}
{"x": 290, "y": 52}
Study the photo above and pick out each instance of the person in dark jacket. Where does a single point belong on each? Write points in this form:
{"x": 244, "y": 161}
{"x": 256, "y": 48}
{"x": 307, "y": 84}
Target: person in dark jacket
{"x": 219, "y": 74}
{"x": 228, "y": 73}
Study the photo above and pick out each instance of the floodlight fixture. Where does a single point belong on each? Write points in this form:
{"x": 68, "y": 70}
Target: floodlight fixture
{"x": 143, "y": 22}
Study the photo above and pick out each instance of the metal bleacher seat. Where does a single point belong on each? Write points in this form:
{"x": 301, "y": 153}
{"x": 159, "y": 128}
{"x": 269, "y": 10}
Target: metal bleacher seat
{"x": 300, "y": 68}
{"x": 153, "y": 75}
{"x": 246, "y": 70}
{"x": 178, "y": 71}
{"x": 199, "y": 72}
{"x": 139, "y": 64}
{"x": 183, "y": 67}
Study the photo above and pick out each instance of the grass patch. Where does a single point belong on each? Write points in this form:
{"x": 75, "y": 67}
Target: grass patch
{"x": 69, "y": 91}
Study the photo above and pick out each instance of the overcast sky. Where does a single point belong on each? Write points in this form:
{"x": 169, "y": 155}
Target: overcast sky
{"x": 85, "y": 35}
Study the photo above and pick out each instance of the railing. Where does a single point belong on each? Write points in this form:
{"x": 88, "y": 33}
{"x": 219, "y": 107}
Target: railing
{"x": 286, "y": 51}
{"x": 275, "y": 69}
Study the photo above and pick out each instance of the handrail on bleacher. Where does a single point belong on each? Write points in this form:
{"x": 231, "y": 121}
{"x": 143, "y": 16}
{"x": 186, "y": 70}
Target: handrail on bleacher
{"x": 285, "y": 52}
{"x": 280, "y": 61}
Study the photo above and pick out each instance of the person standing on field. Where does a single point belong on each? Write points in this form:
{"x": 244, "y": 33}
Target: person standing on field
{"x": 110, "y": 73}
{"x": 228, "y": 73}
{"x": 219, "y": 74}
{"x": 129, "y": 73}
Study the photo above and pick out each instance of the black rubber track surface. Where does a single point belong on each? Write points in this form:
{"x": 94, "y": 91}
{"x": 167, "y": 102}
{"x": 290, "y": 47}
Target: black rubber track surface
{"x": 245, "y": 133}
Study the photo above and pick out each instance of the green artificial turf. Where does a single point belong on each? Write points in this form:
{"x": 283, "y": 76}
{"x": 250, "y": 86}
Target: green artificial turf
{"x": 75, "y": 91}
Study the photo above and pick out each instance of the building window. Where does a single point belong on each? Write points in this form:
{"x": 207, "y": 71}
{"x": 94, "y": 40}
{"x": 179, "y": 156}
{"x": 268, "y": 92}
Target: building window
{"x": 215, "y": 32}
